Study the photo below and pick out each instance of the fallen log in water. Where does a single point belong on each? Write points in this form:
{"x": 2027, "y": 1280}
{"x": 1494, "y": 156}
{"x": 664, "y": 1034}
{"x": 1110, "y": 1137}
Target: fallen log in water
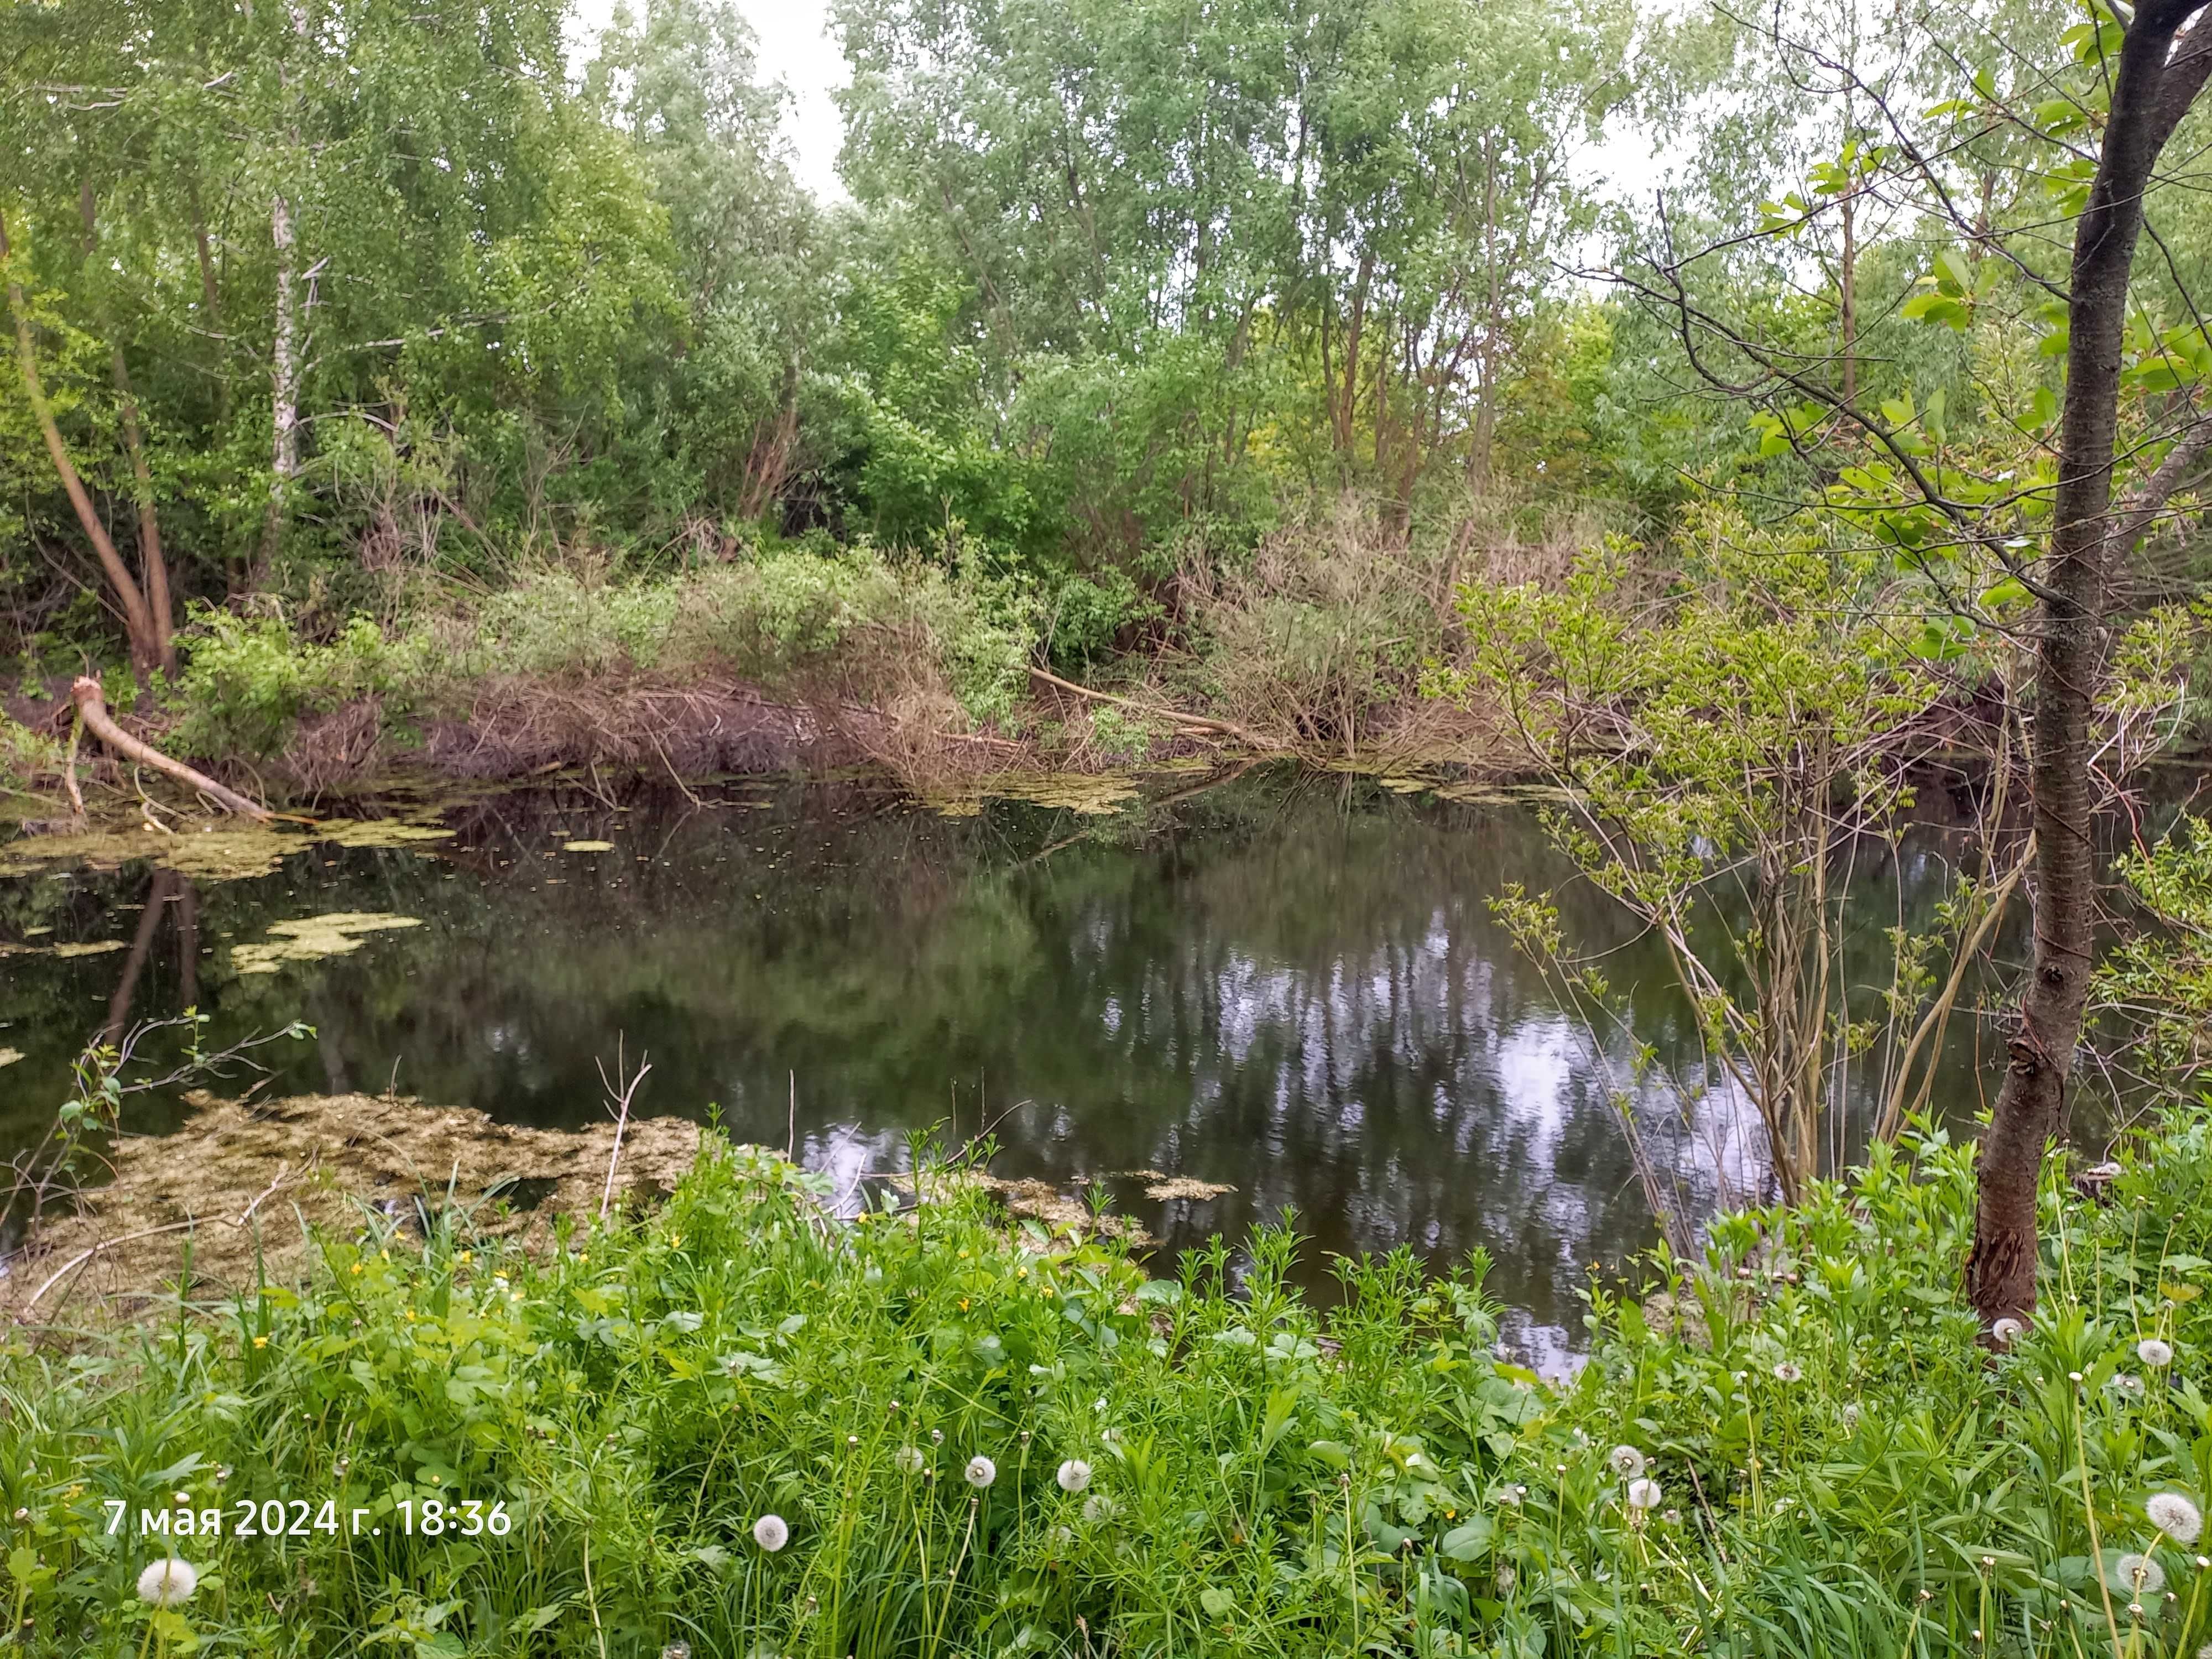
{"x": 92, "y": 709}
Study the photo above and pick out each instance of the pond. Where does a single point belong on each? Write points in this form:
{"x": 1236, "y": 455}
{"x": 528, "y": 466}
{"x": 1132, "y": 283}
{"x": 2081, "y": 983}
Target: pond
{"x": 1285, "y": 983}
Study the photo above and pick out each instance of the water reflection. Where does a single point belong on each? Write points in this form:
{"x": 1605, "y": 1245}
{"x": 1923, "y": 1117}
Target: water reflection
{"x": 1289, "y": 985}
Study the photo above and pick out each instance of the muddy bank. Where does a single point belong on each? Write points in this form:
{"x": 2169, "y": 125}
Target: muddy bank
{"x": 513, "y": 730}
{"x": 237, "y": 1190}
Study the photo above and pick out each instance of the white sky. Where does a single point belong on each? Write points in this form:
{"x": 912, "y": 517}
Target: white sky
{"x": 795, "y": 48}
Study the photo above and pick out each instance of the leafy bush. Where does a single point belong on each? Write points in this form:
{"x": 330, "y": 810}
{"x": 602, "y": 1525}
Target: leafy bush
{"x": 865, "y": 622}
{"x": 1088, "y": 615}
{"x": 1207, "y": 1464}
{"x": 25, "y": 758}
{"x": 247, "y": 681}
{"x": 554, "y": 624}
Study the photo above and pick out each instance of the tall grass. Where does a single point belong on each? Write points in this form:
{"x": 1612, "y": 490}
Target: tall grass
{"x": 1839, "y": 1469}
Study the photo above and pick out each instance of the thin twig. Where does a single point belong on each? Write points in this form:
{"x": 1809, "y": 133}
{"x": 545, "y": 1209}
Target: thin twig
{"x": 622, "y": 1098}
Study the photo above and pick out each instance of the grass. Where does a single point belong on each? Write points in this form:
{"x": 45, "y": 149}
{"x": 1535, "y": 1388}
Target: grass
{"x": 1840, "y": 1469}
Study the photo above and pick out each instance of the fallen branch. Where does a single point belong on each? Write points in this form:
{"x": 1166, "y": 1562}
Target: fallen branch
{"x": 92, "y": 709}
{"x": 1196, "y": 722}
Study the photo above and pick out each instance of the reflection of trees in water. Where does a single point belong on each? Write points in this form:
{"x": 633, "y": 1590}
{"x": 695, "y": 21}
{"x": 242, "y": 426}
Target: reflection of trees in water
{"x": 1257, "y": 985}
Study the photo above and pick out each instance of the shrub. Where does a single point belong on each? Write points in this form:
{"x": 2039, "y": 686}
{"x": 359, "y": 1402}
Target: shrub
{"x": 247, "y": 681}
{"x": 865, "y": 625}
{"x": 1087, "y": 615}
{"x": 554, "y": 624}
{"x": 26, "y": 758}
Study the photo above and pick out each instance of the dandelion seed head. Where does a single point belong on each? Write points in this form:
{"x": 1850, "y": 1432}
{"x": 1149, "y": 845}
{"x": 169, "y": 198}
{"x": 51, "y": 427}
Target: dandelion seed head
{"x": 908, "y": 1458}
{"x": 2176, "y": 1516}
{"x": 1097, "y": 1507}
{"x": 1788, "y": 1373}
{"x": 168, "y": 1583}
{"x": 1644, "y": 1494}
{"x": 770, "y": 1533}
{"x": 2006, "y": 1332}
{"x": 980, "y": 1471}
{"x": 2155, "y": 1353}
{"x": 2138, "y": 1574}
{"x": 1073, "y": 1475}
{"x": 1627, "y": 1462}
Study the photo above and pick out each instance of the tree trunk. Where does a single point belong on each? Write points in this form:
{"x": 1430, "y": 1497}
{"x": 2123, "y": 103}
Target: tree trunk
{"x": 283, "y": 384}
{"x": 138, "y": 618}
{"x": 2152, "y": 91}
{"x": 91, "y": 709}
{"x": 152, "y": 566}
{"x": 1343, "y": 406}
{"x": 284, "y": 342}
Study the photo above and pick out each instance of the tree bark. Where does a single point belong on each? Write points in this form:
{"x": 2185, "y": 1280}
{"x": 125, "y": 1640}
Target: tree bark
{"x": 92, "y": 706}
{"x": 284, "y": 342}
{"x": 137, "y": 618}
{"x": 152, "y": 566}
{"x": 2154, "y": 87}
{"x": 284, "y": 384}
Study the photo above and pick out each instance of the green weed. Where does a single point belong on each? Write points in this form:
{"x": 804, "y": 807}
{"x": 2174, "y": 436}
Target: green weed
{"x": 978, "y": 1440}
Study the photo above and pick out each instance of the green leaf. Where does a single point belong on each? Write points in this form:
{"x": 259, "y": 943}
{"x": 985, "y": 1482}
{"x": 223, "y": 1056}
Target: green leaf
{"x": 1934, "y": 307}
{"x": 1470, "y": 1542}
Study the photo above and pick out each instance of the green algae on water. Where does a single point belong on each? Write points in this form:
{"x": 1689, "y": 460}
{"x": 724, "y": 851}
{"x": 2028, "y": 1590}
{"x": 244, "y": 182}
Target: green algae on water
{"x": 1091, "y": 794}
{"x": 313, "y": 938}
{"x": 210, "y": 853}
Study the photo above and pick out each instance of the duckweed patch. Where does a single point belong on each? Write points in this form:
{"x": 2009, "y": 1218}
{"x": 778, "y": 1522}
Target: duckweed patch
{"x": 310, "y": 938}
{"x": 205, "y": 852}
{"x": 337, "y": 1162}
{"x": 1090, "y": 794}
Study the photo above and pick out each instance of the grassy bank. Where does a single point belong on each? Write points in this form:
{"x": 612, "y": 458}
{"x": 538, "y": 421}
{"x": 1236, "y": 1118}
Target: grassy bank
{"x": 977, "y": 1440}
{"x": 797, "y": 655}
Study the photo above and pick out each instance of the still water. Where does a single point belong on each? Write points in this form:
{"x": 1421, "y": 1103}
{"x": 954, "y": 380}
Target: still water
{"x": 1287, "y": 983}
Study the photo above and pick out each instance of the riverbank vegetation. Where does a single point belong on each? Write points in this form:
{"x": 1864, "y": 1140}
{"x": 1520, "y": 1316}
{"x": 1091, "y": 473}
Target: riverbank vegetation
{"x": 767, "y": 1418}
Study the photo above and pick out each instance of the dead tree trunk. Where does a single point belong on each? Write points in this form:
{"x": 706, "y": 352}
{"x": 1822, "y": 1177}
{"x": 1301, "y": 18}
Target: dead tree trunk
{"x": 2161, "y": 70}
{"x": 92, "y": 707}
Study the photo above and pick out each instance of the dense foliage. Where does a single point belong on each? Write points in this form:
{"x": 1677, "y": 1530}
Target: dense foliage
{"x": 977, "y": 1441}
{"x": 343, "y": 308}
